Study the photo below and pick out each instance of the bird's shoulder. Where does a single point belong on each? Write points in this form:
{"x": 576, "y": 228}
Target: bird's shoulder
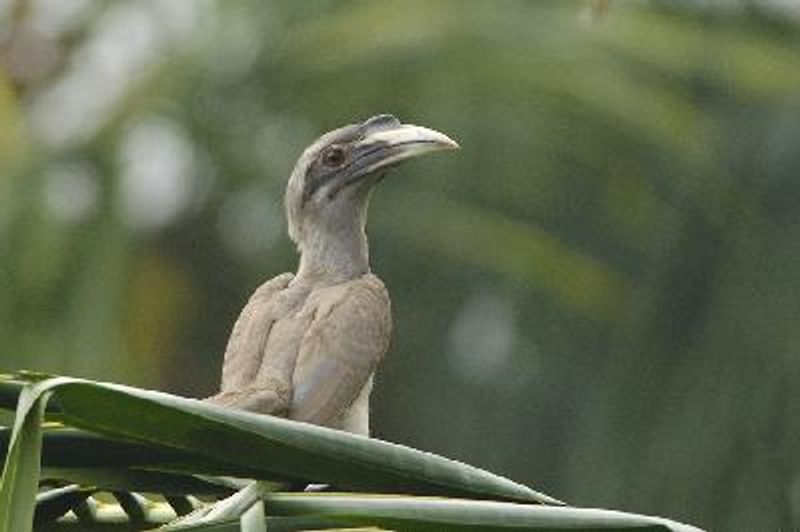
{"x": 273, "y": 286}
{"x": 365, "y": 296}
{"x": 257, "y": 315}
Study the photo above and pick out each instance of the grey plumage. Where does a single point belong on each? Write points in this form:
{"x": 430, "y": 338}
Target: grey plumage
{"x": 306, "y": 345}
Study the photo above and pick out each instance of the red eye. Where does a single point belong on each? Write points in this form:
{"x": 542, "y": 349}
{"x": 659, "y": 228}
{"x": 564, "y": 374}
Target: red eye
{"x": 334, "y": 156}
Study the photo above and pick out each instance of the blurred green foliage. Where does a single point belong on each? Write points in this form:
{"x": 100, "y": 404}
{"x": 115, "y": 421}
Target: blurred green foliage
{"x": 598, "y": 295}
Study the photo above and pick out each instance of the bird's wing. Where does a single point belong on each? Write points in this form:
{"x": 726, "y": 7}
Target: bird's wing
{"x": 249, "y": 335}
{"x": 340, "y": 351}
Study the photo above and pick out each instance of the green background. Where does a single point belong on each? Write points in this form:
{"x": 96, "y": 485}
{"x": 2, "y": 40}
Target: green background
{"x": 598, "y": 295}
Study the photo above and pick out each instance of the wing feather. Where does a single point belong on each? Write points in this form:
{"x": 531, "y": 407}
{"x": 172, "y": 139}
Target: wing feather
{"x": 246, "y": 344}
{"x": 340, "y": 351}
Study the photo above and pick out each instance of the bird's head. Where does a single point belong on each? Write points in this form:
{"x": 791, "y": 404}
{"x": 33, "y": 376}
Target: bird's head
{"x": 330, "y": 184}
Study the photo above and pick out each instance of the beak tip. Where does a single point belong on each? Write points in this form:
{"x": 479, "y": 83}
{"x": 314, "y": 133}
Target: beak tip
{"x": 442, "y": 141}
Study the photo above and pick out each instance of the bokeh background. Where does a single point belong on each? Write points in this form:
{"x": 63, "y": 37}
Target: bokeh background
{"x": 598, "y": 296}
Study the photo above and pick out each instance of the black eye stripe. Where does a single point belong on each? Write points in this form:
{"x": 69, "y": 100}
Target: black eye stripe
{"x": 318, "y": 175}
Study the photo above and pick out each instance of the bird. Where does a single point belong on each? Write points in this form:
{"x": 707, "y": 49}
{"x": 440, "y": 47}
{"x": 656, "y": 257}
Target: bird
{"x": 307, "y": 344}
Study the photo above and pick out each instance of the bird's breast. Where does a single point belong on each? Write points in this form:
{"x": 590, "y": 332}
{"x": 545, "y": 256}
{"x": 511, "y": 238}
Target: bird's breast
{"x": 283, "y": 342}
{"x": 356, "y": 418}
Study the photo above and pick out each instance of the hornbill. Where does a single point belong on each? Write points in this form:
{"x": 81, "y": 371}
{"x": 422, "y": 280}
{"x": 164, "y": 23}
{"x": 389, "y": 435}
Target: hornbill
{"x": 306, "y": 345}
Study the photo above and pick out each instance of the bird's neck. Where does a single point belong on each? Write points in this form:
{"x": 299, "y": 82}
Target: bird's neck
{"x": 333, "y": 254}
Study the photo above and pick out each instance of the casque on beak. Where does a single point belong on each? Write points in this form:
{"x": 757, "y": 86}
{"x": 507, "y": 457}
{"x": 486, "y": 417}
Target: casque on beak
{"x": 387, "y": 144}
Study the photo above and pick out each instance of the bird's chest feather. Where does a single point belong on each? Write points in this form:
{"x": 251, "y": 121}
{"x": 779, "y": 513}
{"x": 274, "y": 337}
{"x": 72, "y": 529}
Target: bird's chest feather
{"x": 292, "y": 318}
{"x": 294, "y": 313}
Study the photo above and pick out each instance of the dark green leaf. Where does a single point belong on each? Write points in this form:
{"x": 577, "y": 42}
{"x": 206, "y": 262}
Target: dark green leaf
{"x": 274, "y": 447}
{"x": 440, "y": 515}
{"x": 19, "y": 483}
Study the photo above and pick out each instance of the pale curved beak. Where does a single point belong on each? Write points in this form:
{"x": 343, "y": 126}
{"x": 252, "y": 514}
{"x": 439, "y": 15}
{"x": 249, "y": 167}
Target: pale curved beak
{"x": 387, "y": 147}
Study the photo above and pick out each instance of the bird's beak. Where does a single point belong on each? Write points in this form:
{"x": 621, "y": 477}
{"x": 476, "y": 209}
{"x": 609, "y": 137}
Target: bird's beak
{"x": 389, "y": 146}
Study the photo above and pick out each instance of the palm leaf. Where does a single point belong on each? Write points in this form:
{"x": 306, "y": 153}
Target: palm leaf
{"x": 20, "y": 480}
{"x": 438, "y": 514}
{"x": 134, "y": 431}
{"x": 268, "y": 447}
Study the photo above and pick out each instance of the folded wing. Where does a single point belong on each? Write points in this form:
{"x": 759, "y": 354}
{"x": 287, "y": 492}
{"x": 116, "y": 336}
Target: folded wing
{"x": 340, "y": 351}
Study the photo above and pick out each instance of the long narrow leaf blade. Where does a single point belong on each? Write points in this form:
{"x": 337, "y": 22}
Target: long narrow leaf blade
{"x": 19, "y": 482}
{"x": 273, "y": 446}
{"x": 111, "y": 463}
{"x": 438, "y": 514}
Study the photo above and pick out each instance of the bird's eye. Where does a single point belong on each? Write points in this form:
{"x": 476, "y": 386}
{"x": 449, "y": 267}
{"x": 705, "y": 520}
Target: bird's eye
{"x": 334, "y": 156}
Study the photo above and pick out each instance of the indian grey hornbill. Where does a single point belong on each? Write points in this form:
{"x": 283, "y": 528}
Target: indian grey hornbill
{"x": 306, "y": 345}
